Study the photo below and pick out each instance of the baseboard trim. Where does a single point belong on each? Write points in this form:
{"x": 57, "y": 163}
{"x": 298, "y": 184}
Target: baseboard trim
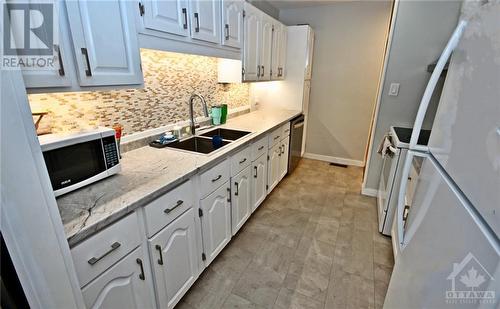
{"x": 337, "y": 160}
{"x": 369, "y": 192}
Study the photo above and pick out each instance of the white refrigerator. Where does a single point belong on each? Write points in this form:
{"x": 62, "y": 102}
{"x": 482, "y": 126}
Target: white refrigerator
{"x": 446, "y": 237}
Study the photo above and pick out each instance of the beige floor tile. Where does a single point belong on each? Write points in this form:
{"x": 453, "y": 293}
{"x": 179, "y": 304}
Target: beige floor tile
{"x": 289, "y": 299}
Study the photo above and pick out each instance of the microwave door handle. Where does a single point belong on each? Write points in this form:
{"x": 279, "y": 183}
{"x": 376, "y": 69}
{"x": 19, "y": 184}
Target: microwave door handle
{"x": 424, "y": 103}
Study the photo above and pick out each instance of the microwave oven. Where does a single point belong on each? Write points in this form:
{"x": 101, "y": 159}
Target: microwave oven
{"x": 76, "y": 160}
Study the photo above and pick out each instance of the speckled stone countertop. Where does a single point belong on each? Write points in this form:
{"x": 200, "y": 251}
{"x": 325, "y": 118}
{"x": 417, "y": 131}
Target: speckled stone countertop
{"x": 148, "y": 173}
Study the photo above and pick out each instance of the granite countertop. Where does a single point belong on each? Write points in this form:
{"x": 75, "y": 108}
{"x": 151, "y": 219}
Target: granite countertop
{"x": 148, "y": 173}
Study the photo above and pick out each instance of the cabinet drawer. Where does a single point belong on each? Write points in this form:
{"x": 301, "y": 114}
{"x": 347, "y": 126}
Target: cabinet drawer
{"x": 241, "y": 160}
{"x": 96, "y": 254}
{"x": 214, "y": 178}
{"x": 285, "y": 130}
{"x": 163, "y": 210}
{"x": 259, "y": 147}
{"x": 275, "y": 136}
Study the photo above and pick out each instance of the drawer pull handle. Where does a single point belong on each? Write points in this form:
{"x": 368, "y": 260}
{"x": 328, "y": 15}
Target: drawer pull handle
{"x": 160, "y": 260}
{"x": 197, "y": 18}
{"x": 255, "y": 168}
{"x": 226, "y": 28}
{"x": 237, "y": 189}
{"x": 141, "y": 275}
{"x": 229, "y": 194}
{"x": 279, "y": 154}
{"x": 260, "y": 148}
{"x": 217, "y": 178}
{"x": 276, "y": 137}
{"x": 179, "y": 203}
{"x": 283, "y": 149}
{"x": 243, "y": 161}
{"x": 114, "y": 246}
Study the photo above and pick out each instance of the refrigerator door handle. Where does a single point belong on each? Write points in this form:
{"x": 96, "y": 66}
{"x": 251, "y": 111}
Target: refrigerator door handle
{"x": 424, "y": 103}
{"x": 405, "y": 173}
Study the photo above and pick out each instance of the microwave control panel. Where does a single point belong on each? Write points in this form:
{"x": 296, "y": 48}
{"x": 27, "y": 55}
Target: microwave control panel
{"x": 110, "y": 151}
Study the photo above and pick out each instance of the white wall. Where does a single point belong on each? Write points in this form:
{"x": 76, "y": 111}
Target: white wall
{"x": 348, "y": 55}
{"x": 421, "y": 30}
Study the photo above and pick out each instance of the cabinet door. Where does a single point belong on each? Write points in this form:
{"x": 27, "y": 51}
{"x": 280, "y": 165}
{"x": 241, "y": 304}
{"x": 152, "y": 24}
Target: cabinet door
{"x": 285, "y": 145}
{"x": 273, "y": 168}
{"x": 205, "y": 20}
{"x": 216, "y": 221}
{"x": 57, "y": 74}
{"x": 232, "y": 23}
{"x": 167, "y": 16}
{"x": 252, "y": 42}
{"x": 175, "y": 259}
{"x": 259, "y": 181}
{"x": 240, "y": 199}
{"x": 105, "y": 42}
{"x": 276, "y": 51}
{"x": 127, "y": 284}
{"x": 283, "y": 48}
{"x": 266, "y": 50}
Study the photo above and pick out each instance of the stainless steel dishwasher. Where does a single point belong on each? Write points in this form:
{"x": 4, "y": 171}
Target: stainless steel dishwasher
{"x": 295, "y": 154}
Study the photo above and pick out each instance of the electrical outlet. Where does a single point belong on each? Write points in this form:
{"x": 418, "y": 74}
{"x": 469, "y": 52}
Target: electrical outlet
{"x": 394, "y": 89}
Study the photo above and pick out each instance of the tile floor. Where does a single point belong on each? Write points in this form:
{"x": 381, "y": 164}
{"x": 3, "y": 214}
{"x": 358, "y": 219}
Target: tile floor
{"x": 313, "y": 243}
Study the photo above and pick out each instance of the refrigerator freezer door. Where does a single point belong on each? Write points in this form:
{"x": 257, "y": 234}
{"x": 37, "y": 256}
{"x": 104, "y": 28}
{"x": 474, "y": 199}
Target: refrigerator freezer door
{"x": 450, "y": 256}
{"x": 465, "y": 136}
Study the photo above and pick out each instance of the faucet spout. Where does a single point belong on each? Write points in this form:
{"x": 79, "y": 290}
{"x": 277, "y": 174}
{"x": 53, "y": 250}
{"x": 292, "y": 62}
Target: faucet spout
{"x": 191, "y": 110}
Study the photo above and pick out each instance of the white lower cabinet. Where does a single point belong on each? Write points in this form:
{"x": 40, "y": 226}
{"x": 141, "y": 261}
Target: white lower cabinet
{"x": 174, "y": 259}
{"x": 127, "y": 284}
{"x": 216, "y": 221}
{"x": 273, "y": 167}
{"x": 259, "y": 181}
{"x": 285, "y": 145}
{"x": 240, "y": 199}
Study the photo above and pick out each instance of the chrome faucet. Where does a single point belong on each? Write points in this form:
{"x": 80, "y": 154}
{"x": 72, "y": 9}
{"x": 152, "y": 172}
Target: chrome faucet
{"x": 191, "y": 110}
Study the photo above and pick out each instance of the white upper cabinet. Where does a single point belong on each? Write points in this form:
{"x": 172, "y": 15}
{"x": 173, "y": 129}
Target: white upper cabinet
{"x": 57, "y": 75}
{"x": 127, "y": 284}
{"x": 276, "y": 50}
{"x": 232, "y": 23}
{"x": 105, "y": 42}
{"x": 252, "y": 42}
{"x": 205, "y": 20}
{"x": 216, "y": 221}
{"x": 282, "y": 52}
{"x": 266, "y": 50}
{"x": 175, "y": 259}
{"x": 241, "y": 199}
{"x": 166, "y": 16}
{"x": 259, "y": 180}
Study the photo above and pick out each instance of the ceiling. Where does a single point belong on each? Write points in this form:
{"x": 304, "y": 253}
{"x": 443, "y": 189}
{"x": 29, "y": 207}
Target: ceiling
{"x": 295, "y": 4}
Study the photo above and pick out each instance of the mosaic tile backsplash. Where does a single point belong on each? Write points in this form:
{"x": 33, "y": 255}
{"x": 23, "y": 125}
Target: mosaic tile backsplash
{"x": 169, "y": 81}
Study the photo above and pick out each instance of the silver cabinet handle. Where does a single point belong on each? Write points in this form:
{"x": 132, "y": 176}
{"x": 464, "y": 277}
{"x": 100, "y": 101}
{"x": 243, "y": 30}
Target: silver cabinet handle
{"x": 179, "y": 203}
{"x": 262, "y": 71}
{"x": 217, "y": 178}
{"x": 184, "y": 12}
{"x": 255, "y": 175}
{"x": 114, "y": 246}
{"x": 243, "y": 161}
{"x": 226, "y": 27}
{"x": 160, "y": 260}
{"x": 237, "y": 189}
{"x": 85, "y": 53}
{"x": 260, "y": 148}
{"x": 276, "y": 137}
{"x": 279, "y": 154}
{"x": 258, "y": 71}
{"x": 61, "y": 65}
{"x": 229, "y": 194}
{"x": 141, "y": 275}
{"x": 283, "y": 149}
{"x": 197, "y": 27}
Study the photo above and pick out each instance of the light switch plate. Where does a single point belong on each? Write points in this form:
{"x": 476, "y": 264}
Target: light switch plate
{"x": 394, "y": 89}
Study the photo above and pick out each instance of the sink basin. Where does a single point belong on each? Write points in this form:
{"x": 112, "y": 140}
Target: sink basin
{"x": 227, "y": 134}
{"x": 196, "y": 144}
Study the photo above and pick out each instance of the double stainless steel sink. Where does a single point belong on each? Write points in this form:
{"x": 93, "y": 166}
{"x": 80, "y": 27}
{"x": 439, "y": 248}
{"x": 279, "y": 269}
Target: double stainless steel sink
{"x": 203, "y": 143}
